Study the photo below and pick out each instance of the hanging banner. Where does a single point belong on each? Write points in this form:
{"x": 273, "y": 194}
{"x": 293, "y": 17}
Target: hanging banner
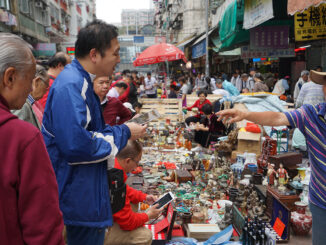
{"x": 310, "y": 24}
{"x": 257, "y": 12}
{"x": 276, "y": 37}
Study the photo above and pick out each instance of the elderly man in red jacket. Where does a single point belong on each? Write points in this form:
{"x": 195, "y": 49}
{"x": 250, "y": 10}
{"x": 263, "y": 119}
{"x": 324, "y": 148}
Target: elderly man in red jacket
{"x": 29, "y": 207}
{"x": 128, "y": 227}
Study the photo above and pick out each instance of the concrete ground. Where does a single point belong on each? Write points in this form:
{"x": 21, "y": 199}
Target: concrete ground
{"x": 300, "y": 240}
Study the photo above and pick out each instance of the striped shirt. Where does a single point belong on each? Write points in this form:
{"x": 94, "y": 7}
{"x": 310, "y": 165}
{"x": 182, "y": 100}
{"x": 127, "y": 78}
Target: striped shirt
{"x": 311, "y": 120}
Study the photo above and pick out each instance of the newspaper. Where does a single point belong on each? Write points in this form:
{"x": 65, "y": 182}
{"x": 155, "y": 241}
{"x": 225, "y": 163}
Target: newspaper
{"x": 145, "y": 118}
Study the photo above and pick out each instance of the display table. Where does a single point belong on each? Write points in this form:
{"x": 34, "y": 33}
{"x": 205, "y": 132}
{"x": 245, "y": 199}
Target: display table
{"x": 287, "y": 200}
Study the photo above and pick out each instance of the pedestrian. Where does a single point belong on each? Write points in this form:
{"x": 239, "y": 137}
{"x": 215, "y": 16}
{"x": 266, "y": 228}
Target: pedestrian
{"x": 310, "y": 93}
{"x": 302, "y": 80}
{"x": 29, "y": 112}
{"x": 259, "y": 86}
{"x": 29, "y": 206}
{"x": 311, "y": 121}
{"x": 150, "y": 86}
{"x": 78, "y": 141}
{"x": 247, "y": 83}
{"x": 113, "y": 111}
{"x": 56, "y": 65}
{"x": 281, "y": 86}
{"x": 117, "y": 90}
{"x": 236, "y": 80}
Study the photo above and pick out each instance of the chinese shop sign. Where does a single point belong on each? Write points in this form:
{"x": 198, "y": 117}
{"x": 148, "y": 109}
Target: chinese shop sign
{"x": 311, "y": 24}
{"x": 276, "y": 37}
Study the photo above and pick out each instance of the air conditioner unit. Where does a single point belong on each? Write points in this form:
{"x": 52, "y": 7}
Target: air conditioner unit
{"x": 38, "y": 4}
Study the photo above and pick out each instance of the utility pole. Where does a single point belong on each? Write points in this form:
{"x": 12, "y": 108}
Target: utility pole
{"x": 207, "y": 57}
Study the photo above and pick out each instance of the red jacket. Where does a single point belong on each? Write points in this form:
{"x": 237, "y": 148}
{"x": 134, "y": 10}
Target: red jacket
{"x": 43, "y": 100}
{"x": 126, "y": 218}
{"x": 199, "y": 106}
{"x": 29, "y": 207}
{"x": 124, "y": 97}
{"x": 113, "y": 109}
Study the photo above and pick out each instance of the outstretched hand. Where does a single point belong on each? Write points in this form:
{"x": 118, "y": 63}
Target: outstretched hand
{"x": 230, "y": 116}
{"x": 136, "y": 130}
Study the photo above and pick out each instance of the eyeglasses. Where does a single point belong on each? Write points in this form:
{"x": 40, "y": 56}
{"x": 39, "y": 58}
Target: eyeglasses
{"x": 137, "y": 162}
{"x": 45, "y": 82}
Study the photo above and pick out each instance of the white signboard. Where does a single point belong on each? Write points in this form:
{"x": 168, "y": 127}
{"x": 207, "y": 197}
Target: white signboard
{"x": 257, "y": 12}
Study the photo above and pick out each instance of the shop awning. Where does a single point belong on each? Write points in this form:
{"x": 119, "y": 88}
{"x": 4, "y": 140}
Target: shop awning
{"x": 301, "y": 5}
{"x": 231, "y": 32}
{"x": 183, "y": 43}
{"x": 203, "y": 36}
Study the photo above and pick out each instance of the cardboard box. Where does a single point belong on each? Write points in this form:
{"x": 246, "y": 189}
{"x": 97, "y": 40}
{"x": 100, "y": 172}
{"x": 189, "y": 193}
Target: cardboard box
{"x": 249, "y": 142}
{"x": 202, "y": 231}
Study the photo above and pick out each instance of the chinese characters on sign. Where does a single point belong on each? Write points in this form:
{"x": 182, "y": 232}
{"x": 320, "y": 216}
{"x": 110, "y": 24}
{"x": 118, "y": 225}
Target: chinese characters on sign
{"x": 276, "y": 37}
{"x": 247, "y": 53}
{"x": 311, "y": 24}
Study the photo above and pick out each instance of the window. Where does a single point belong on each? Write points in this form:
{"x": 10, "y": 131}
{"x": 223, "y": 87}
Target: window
{"x": 5, "y": 4}
{"x": 24, "y": 6}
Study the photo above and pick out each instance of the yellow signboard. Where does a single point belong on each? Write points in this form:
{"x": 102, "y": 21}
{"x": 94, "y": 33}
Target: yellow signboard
{"x": 311, "y": 24}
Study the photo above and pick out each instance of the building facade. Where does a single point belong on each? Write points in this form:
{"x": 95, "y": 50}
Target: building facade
{"x": 46, "y": 21}
{"x": 134, "y": 20}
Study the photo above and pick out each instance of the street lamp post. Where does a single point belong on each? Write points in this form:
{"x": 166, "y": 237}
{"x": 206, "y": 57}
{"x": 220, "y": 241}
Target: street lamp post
{"x": 207, "y": 56}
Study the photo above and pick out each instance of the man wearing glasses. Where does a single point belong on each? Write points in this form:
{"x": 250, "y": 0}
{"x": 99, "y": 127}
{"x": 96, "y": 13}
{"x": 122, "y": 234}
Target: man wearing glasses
{"x": 128, "y": 227}
{"x": 29, "y": 112}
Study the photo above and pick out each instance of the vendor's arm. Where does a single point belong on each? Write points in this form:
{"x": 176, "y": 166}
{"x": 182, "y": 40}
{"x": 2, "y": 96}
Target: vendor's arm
{"x": 193, "y": 106}
{"x": 266, "y": 118}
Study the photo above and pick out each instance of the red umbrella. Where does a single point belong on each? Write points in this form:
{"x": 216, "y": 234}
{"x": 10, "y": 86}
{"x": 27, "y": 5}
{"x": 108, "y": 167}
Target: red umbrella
{"x": 159, "y": 53}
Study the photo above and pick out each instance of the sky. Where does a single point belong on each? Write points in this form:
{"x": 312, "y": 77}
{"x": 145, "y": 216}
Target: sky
{"x": 110, "y": 10}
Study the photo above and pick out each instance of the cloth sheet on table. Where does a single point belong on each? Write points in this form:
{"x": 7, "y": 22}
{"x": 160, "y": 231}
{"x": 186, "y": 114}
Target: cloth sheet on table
{"x": 262, "y": 103}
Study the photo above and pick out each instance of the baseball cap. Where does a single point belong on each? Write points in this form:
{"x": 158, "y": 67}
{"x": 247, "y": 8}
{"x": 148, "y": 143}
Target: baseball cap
{"x": 129, "y": 106}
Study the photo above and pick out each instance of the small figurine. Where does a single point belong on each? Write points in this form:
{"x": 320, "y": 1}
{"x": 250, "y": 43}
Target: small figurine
{"x": 282, "y": 173}
{"x": 271, "y": 173}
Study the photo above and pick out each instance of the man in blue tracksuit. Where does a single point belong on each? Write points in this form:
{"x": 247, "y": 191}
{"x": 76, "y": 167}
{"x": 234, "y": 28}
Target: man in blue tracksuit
{"x": 77, "y": 139}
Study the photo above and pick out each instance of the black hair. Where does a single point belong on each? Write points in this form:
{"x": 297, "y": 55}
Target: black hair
{"x": 207, "y": 109}
{"x": 149, "y": 74}
{"x": 57, "y": 59}
{"x": 137, "y": 104}
{"x": 125, "y": 72}
{"x": 173, "y": 87}
{"x": 121, "y": 85}
{"x": 134, "y": 71}
{"x": 208, "y": 80}
{"x": 96, "y": 34}
{"x": 182, "y": 79}
{"x": 318, "y": 67}
{"x": 202, "y": 92}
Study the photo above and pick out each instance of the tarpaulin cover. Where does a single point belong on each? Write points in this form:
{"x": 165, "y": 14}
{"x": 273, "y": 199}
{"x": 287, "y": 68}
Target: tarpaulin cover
{"x": 231, "y": 32}
{"x": 301, "y": 5}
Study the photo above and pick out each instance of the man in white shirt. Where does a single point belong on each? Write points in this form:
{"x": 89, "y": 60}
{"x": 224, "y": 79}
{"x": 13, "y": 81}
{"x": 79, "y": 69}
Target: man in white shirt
{"x": 247, "y": 83}
{"x": 117, "y": 90}
{"x": 150, "y": 86}
{"x": 236, "y": 80}
{"x": 302, "y": 80}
